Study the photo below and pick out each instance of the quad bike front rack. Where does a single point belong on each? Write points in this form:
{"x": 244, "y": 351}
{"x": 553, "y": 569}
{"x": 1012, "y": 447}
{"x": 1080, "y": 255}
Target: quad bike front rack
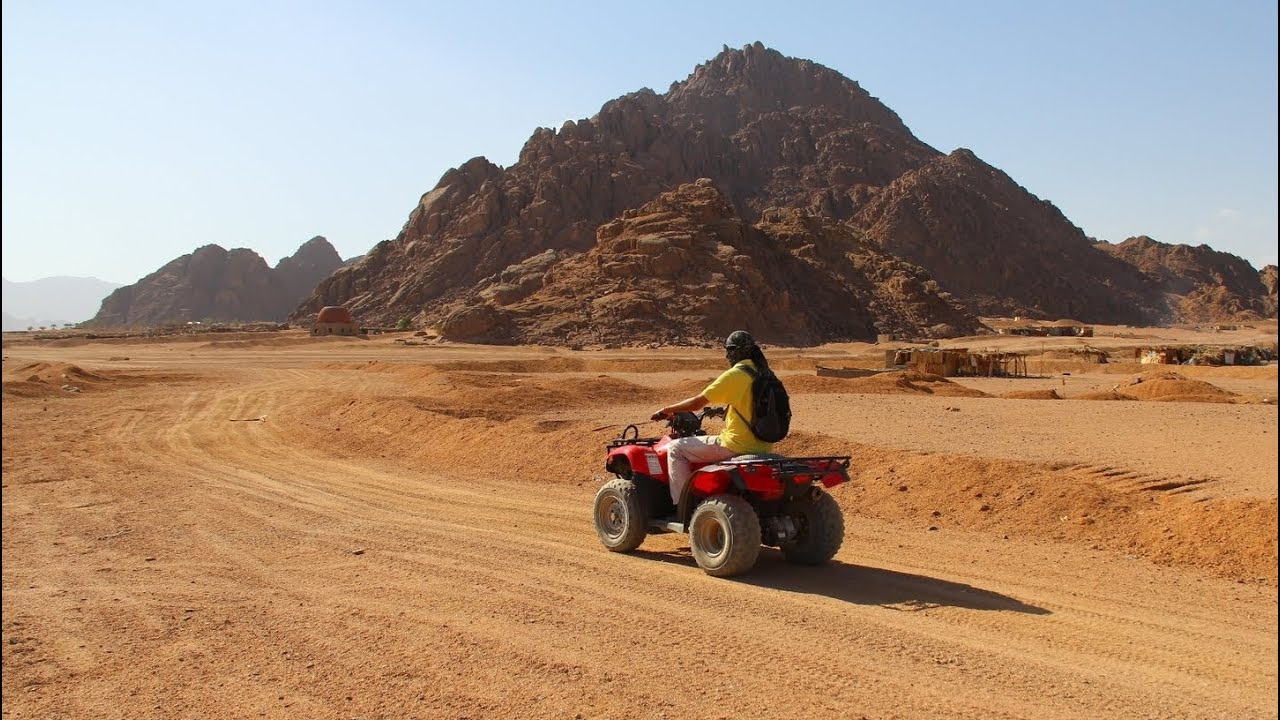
{"x": 630, "y": 436}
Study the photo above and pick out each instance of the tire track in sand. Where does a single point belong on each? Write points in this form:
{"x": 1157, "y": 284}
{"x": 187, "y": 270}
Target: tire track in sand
{"x": 477, "y": 595}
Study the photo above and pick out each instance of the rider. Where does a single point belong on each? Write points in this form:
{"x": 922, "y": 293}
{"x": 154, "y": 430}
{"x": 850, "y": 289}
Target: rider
{"x": 732, "y": 388}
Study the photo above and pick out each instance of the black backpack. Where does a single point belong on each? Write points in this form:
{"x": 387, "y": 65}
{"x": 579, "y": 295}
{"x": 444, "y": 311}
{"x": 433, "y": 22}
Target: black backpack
{"x": 770, "y": 406}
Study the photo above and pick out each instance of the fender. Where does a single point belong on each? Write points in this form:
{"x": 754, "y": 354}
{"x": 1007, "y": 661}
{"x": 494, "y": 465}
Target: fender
{"x": 641, "y": 459}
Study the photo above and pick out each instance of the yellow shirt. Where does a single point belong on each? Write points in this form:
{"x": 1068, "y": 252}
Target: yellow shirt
{"x": 733, "y": 388}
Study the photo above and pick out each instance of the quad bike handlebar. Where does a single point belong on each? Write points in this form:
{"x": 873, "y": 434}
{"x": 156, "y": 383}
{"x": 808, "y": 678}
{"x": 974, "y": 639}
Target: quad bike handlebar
{"x": 685, "y": 424}
{"x": 682, "y": 424}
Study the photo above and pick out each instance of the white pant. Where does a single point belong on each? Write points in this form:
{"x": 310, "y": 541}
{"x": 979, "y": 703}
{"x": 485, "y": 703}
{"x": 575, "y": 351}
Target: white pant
{"x": 696, "y": 449}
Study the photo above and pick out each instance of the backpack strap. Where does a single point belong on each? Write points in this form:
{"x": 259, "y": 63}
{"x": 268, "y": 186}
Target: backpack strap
{"x": 753, "y": 373}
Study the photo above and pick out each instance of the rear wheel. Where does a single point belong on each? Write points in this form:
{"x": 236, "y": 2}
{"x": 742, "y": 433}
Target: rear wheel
{"x": 620, "y": 520}
{"x": 724, "y": 535}
{"x": 821, "y": 531}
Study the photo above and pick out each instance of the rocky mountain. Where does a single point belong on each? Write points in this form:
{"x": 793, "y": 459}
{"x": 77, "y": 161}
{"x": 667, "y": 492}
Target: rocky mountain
{"x": 52, "y": 301}
{"x": 1200, "y": 284}
{"x": 770, "y": 132}
{"x": 684, "y": 268}
{"x": 1000, "y": 248}
{"x": 298, "y": 274}
{"x": 215, "y": 284}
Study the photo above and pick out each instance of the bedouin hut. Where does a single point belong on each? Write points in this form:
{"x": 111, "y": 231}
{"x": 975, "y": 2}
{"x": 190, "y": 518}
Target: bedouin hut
{"x": 1163, "y": 355}
{"x": 1057, "y": 328}
{"x": 1069, "y": 328}
{"x": 334, "y": 320}
{"x": 957, "y": 362}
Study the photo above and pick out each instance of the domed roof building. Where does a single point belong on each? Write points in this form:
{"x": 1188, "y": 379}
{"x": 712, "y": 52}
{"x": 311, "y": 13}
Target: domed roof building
{"x": 334, "y": 320}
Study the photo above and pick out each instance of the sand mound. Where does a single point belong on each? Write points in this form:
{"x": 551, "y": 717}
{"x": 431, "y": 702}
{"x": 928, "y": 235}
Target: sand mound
{"x": 20, "y": 388}
{"x": 275, "y": 341}
{"x": 59, "y": 373}
{"x": 904, "y": 382}
{"x": 444, "y": 433}
{"x": 1105, "y": 395}
{"x": 559, "y": 364}
{"x": 533, "y": 365}
{"x": 1166, "y": 386}
{"x": 506, "y": 396}
{"x": 46, "y": 378}
{"x": 530, "y": 366}
{"x": 1233, "y": 538}
{"x": 1049, "y": 394}
{"x": 1157, "y": 375}
{"x": 1195, "y": 397}
{"x": 794, "y": 363}
{"x": 539, "y": 396}
{"x": 713, "y": 365}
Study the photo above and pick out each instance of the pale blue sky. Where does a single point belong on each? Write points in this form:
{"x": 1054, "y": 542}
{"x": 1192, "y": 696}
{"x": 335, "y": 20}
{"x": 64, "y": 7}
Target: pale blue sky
{"x": 135, "y": 132}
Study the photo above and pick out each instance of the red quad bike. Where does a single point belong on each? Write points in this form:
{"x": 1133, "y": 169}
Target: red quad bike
{"x": 729, "y": 508}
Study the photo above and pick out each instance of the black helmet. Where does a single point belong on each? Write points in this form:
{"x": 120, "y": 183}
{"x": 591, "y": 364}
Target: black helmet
{"x": 739, "y": 340}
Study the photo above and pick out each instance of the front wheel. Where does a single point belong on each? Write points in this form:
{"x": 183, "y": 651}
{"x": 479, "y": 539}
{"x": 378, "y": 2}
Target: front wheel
{"x": 620, "y": 520}
{"x": 724, "y": 535}
{"x": 821, "y": 531}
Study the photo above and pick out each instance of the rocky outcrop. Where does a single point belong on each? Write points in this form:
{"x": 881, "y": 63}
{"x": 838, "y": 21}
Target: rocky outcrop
{"x": 770, "y": 132}
{"x": 686, "y": 269}
{"x": 1000, "y": 248}
{"x": 1269, "y": 281}
{"x": 213, "y": 284}
{"x": 1200, "y": 284}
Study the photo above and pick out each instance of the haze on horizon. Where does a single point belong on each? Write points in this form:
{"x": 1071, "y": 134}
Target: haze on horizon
{"x": 135, "y": 133}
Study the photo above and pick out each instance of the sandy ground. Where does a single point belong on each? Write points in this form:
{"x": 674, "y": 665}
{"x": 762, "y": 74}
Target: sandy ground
{"x": 274, "y": 526}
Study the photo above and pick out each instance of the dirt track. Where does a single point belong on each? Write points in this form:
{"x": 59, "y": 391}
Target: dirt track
{"x": 290, "y": 530}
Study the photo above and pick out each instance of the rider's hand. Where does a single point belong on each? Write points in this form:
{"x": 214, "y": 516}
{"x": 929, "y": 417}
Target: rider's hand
{"x": 660, "y": 415}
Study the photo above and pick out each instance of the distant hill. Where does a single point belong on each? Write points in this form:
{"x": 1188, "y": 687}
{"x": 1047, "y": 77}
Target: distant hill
{"x": 216, "y": 284}
{"x": 52, "y": 301}
{"x": 1200, "y": 284}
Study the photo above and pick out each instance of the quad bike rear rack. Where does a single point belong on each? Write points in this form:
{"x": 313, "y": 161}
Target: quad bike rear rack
{"x": 793, "y": 467}
{"x": 800, "y": 470}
